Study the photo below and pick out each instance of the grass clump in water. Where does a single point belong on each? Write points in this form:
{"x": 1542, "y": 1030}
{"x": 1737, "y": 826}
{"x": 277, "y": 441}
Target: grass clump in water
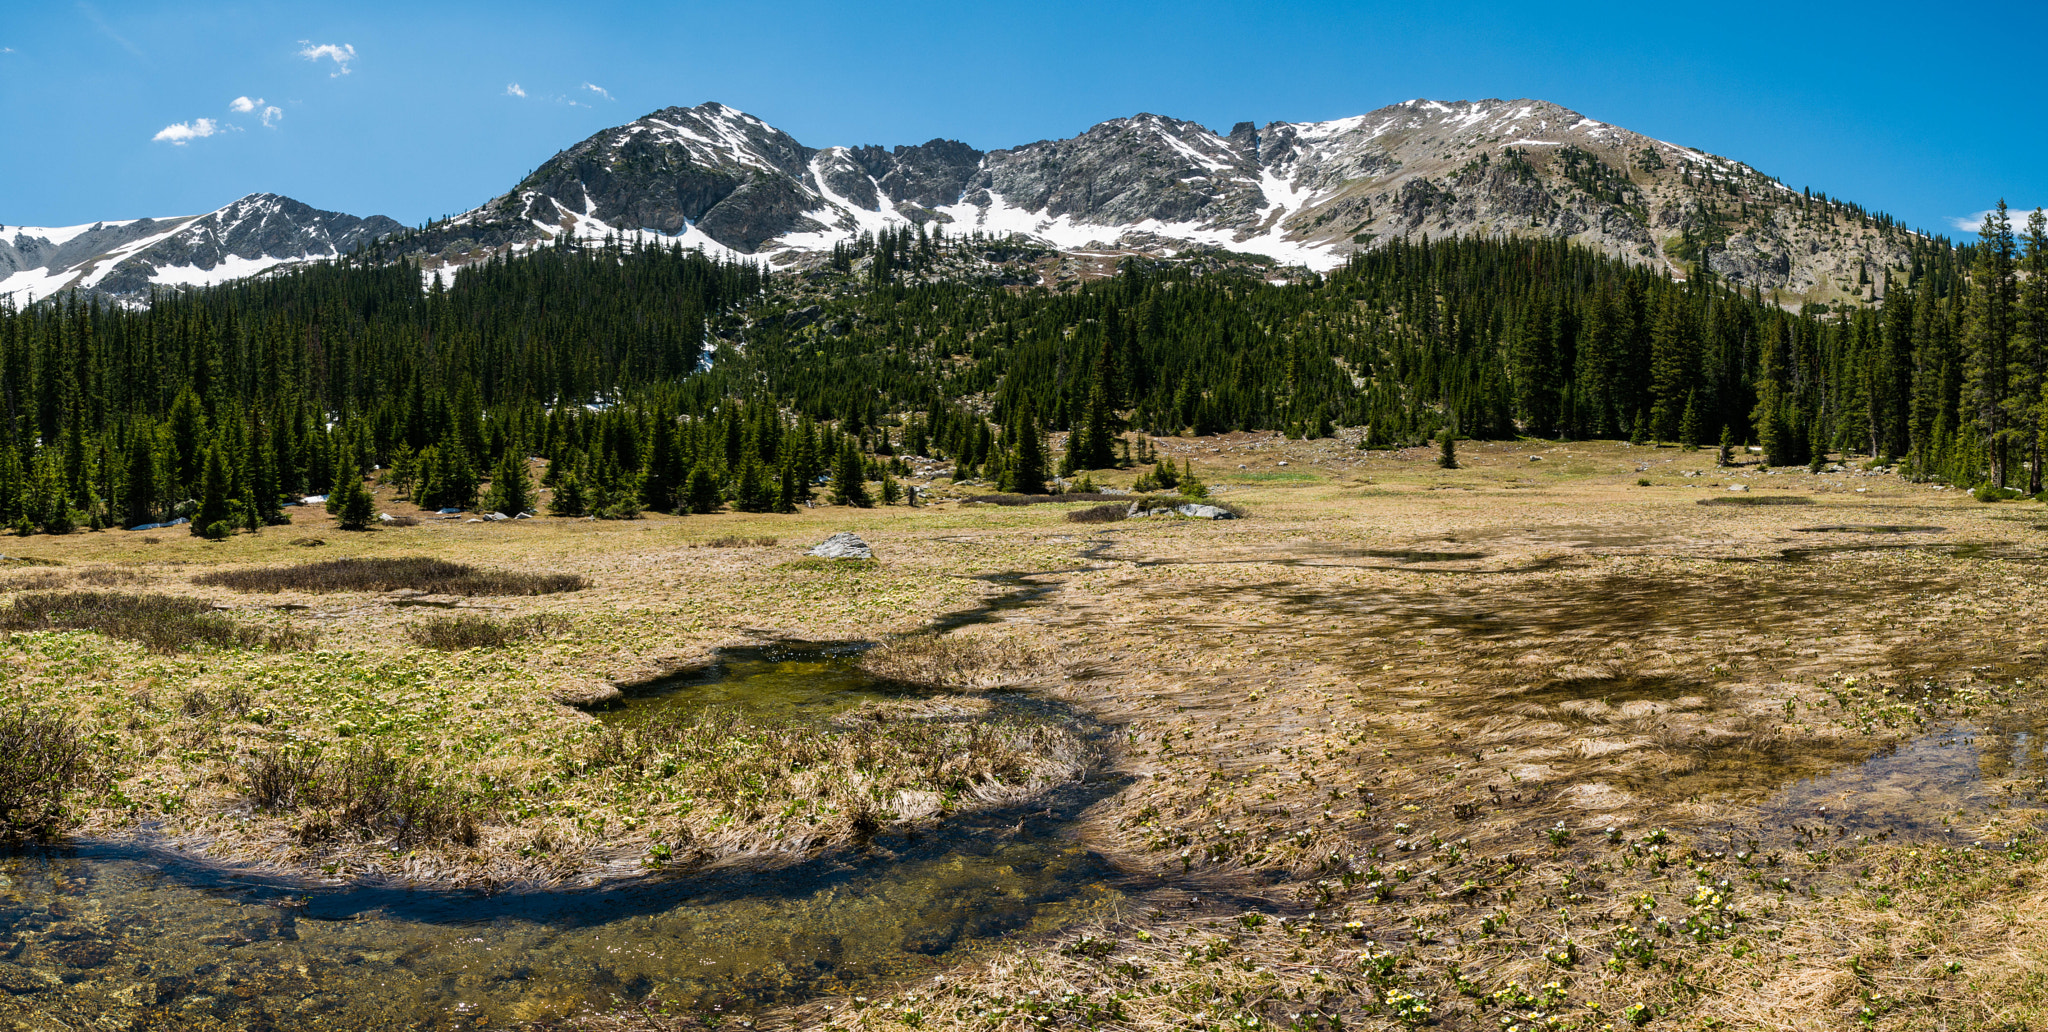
{"x": 433, "y": 576}
{"x": 162, "y": 623}
{"x": 793, "y": 789}
{"x": 41, "y": 759}
{"x": 455, "y": 633}
{"x": 367, "y": 794}
{"x": 959, "y": 660}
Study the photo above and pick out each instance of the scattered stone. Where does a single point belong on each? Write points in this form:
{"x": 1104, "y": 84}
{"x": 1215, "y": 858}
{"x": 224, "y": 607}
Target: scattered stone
{"x": 843, "y": 545}
{"x": 1535, "y": 458}
{"x": 587, "y": 694}
{"x": 1196, "y": 511}
{"x": 1738, "y": 487}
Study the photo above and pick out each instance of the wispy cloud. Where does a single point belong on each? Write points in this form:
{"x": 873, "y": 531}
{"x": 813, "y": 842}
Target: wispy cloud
{"x": 100, "y": 23}
{"x": 340, "y": 53}
{"x": 267, "y": 112}
{"x": 178, "y": 134}
{"x": 599, "y": 90}
{"x": 1972, "y": 223}
{"x": 512, "y": 89}
{"x": 6, "y": 50}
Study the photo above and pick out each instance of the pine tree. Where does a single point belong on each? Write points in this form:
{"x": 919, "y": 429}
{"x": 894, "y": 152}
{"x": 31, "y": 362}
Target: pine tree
{"x": 1447, "y": 449}
{"x": 1028, "y": 466}
{"x": 701, "y": 492}
{"x": 348, "y": 501}
{"x": 511, "y": 485}
{"x": 139, "y": 498}
{"x": 568, "y": 499}
{"x": 786, "y": 484}
{"x": 849, "y": 486}
{"x": 1689, "y": 424}
{"x": 215, "y": 517}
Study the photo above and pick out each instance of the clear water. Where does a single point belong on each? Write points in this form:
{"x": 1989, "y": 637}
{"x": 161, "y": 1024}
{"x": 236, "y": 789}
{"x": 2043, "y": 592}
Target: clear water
{"x": 104, "y": 936}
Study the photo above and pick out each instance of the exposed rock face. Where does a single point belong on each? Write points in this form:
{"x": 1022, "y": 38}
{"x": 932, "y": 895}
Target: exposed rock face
{"x": 1302, "y": 193}
{"x": 843, "y": 545}
{"x": 126, "y": 259}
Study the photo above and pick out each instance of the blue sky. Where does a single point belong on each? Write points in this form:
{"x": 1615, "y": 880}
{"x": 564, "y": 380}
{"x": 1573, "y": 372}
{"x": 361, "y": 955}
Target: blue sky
{"x": 417, "y": 110}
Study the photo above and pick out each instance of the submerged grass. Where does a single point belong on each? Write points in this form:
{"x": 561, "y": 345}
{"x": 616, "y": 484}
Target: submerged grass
{"x": 982, "y": 660}
{"x": 42, "y": 758}
{"x": 720, "y": 786}
{"x": 433, "y": 576}
{"x": 162, "y": 623}
{"x": 453, "y": 633}
{"x": 367, "y": 795}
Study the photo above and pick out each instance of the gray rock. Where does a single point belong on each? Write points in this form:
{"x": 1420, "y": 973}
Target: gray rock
{"x": 843, "y": 545}
{"x": 1196, "y": 511}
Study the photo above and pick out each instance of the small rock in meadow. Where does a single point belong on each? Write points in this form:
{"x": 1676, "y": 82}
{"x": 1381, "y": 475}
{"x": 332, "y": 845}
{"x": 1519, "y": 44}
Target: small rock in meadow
{"x": 843, "y": 545}
{"x": 1195, "y": 511}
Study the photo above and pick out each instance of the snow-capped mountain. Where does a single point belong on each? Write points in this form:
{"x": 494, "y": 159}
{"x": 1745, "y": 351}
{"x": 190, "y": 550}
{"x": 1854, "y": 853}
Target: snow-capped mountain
{"x": 1307, "y": 193}
{"x": 126, "y": 259}
{"x": 1301, "y": 193}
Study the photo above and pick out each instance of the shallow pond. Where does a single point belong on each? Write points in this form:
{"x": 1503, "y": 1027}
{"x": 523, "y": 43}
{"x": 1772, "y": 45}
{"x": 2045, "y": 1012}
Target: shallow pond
{"x": 807, "y": 682}
{"x": 101, "y": 935}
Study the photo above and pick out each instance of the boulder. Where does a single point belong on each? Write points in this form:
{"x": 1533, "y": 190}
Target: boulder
{"x": 843, "y": 545}
{"x": 1196, "y": 511}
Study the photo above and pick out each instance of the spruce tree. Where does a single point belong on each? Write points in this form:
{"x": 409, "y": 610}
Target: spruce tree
{"x": 1689, "y": 423}
{"x": 849, "y": 485}
{"x": 568, "y": 499}
{"x": 511, "y": 485}
{"x": 348, "y": 501}
{"x": 1028, "y": 463}
{"x": 215, "y": 516}
{"x": 700, "y": 492}
{"x": 1447, "y": 449}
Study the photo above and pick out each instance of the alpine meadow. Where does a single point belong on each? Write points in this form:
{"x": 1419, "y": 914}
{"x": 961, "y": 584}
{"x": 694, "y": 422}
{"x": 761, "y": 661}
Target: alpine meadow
{"x": 1465, "y": 565}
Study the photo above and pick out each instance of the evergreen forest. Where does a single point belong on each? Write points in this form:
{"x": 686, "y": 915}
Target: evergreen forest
{"x": 652, "y": 378}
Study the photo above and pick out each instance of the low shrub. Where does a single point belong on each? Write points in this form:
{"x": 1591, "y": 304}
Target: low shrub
{"x": 368, "y": 794}
{"x": 42, "y": 758}
{"x": 1987, "y": 493}
{"x": 736, "y": 541}
{"x": 162, "y": 623}
{"x": 1098, "y": 514}
{"x": 433, "y": 576}
{"x": 454, "y": 633}
{"x": 106, "y": 576}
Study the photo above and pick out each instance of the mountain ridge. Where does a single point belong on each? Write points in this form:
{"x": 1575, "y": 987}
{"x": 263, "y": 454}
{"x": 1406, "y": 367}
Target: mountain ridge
{"x": 1292, "y": 193}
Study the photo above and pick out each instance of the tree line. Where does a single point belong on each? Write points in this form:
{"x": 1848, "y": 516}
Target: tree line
{"x": 652, "y": 378}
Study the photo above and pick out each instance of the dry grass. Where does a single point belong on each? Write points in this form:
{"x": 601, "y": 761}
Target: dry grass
{"x": 453, "y": 633}
{"x": 738, "y": 541}
{"x": 1110, "y": 513}
{"x": 162, "y": 623}
{"x": 432, "y": 576}
{"x": 974, "y": 659}
{"x": 1393, "y": 655}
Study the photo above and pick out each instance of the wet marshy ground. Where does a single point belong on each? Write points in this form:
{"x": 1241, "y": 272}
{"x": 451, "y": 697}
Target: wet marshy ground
{"x": 101, "y": 933}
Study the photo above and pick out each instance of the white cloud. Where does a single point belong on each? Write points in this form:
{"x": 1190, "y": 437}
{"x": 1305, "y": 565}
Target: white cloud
{"x": 599, "y": 90}
{"x": 340, "y": 53}
{"x": 181, "y": 133}
{"x": 268, "y": 113}
{"x": 512, "y": 90}
{"x": 1972, "y": 223}
{"x": 6, "y": 50}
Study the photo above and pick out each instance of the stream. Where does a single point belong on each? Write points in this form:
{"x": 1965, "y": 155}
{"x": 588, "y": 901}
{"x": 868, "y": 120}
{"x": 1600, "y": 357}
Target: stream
{"x": 104, "y": 935}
